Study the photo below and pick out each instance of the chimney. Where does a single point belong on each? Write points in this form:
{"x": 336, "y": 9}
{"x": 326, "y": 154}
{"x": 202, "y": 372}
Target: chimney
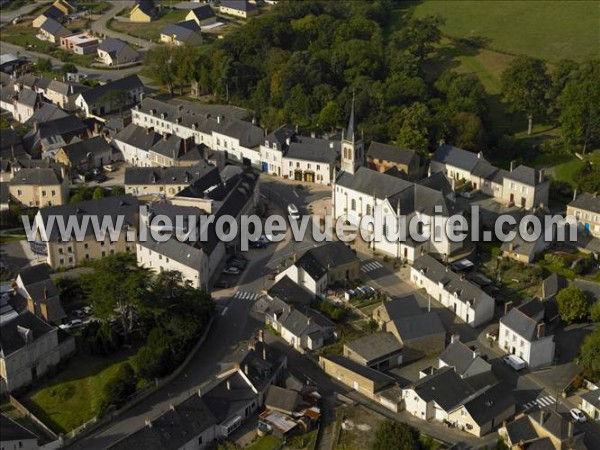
{"x": 219, "y": 118}
{"x": 246, "y": 371}
{"x": 512, "y": 165}
{"x": 264, "y": 353}
{"x": 147, "y": 130}
{"x": 165, "y": 136}
{"x": 172, "y": 407}
{"x": 447, "y": 268}
{"x": 541, "y": 172}
{"x": 575, "y": 195}
{"x": 261, "y": 335}
{"x": 507, "y": 307}
{"x": 199, "y": 392}
{"x": 228, "y": 385}
{"x": 541, "y": 330}
{"x": 45, "y": 293}
{"x": 570, "y": 429}
{"x": 480, "y": 155}
{"x": 454, "y": 338}
{"x": 148, "y": 422}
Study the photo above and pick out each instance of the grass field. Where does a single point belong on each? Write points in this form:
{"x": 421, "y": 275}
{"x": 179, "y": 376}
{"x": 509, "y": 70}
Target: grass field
{"x": 551, "y": 30}
{"x": 566, "y": 172}
{"x": 69, "y": 399}
{"x": 150, "y": 31}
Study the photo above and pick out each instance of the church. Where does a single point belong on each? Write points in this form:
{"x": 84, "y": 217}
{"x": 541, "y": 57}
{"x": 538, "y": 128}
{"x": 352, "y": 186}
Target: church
{"x": 359, "y": 191}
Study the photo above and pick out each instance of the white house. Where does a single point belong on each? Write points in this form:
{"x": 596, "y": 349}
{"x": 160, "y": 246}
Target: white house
{"x": 15, "y": 436}
{"x": 523, "y": 333}
{"x": 452, "y": 290}
{"x": 111, "y": 96}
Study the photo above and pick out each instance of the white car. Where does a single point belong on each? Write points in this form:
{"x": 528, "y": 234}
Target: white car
{"x": 578, "y": 415}
{"x": 293, "y": 211}
{"x": 231, "y": 271}
{"x": 109, "y": 168}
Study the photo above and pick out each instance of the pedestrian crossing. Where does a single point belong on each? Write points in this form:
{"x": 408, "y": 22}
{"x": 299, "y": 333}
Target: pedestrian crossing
{"x": 244, "y": 295}
{"x": 542, "y": 402}
{"x": 370, "y": 266}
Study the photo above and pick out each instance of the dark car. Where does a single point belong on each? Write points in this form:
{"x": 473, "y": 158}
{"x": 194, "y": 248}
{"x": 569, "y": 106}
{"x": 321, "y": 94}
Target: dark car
{"x": 100, "y": 178}
{"x": 237, "y": 263}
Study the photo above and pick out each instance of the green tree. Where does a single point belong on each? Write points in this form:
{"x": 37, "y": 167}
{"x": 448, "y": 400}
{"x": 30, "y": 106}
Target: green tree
{"x": 116, "y": 99}
{"x": 589, "y": 354}
{"x": 331, "y": 115}
{"x": 44, "y": 65}
{"x": 76, "y": 198}
{"x": 98, "y": 193}
{"x": 580, "y": 111}
{"x": 160, "y": 63}
{"x": 68, "y": 68}
{"x": 525, "y": 85}
{"x": 420, "y": 36}
{"x": 595, "y": 312}
{"x": 117, "y": 190}
{"x": 118, "y": 388}
{"x": 414, "y": 133}
{"x": 396, "y": 436}
{"x": 468, "y": 131}
{"x": 572, "y": 304}
{"x": 117, "y": 284}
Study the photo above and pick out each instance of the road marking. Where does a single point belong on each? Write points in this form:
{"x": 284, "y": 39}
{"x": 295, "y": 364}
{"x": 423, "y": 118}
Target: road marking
{"x": 224, "y": 311}
{"x": 370, "y": 266}
{"x": 245, "y": 295}
{"x": 296, "y": 194}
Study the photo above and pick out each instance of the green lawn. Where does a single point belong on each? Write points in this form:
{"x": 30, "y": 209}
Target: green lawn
{"x": 68, "y": 400}
{"x": 566, "y": 172}
{"x": 268, "y": 442}
{"x": 546, "y": 29}
{"x": 149, "y": 31}
{"x": 94, "y": 7}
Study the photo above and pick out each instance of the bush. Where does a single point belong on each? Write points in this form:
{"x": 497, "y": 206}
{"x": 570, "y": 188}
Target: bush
{"x": 572, "y": 304}
{"x": 152, "y": 362}
{"x": 101, "y": 338}
{"x": 396, "y": 436}
{"x": 118, "y": 388}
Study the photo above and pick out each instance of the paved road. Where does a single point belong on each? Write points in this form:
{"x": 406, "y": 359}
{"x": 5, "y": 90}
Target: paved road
{"x": 8, "y": 16}
{"x": 103, "y": 74}
{"x": 101, "y": 25}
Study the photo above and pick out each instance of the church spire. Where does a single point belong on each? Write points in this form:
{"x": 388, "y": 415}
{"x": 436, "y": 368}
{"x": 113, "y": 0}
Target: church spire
{"x": 350, "y": 130}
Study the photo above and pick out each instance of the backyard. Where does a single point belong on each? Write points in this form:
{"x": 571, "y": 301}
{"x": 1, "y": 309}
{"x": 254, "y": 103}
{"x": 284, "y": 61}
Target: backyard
{"x": 71, "y": 397}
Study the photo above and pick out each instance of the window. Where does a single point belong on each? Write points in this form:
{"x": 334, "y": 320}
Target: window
{"x": 353, "y": 205}
{"x": 318, "y": 167}
{"x": 69, "y": 249}
{"x": 368, "y": 210}
{"x": 19, "y": 192}
{"x": 308, "y": 166}
{"x": 512, "y": 185}
{"x": 43, "y": 193}
{"x": 53, "y": 193}
{"x": 85, "y": 245}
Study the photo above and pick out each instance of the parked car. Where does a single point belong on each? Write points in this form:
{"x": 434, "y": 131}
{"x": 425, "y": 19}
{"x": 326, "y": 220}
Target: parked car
{"x": 101, "y": 178}
{"x": 75, "y": 323}
{"x": 515, "y": 362}
{"x": 578, "y": 415}
{"x": 109, "y": 168}
{"x": 293, "y": 211}
{"x": 231, "y": 271}
{"x": 237, "y": 263}
{"x": 88, "y": 310}
{"x": 223, "y": 284}
{"x": 78, "y": 313}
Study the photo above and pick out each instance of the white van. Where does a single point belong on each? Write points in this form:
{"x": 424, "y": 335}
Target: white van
{"x": 515, "y": 362}
{"x": 293, "y": 211}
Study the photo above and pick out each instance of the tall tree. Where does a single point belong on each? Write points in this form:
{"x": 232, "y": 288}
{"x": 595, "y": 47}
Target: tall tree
{"x": 414, "y": 133}
{"x": 580, "y": 111}
{"x": 396, "y": 436}
{"x": 161, "y": 63}
{"x": 420, "y": 36}
{"x": 117, "y": 284}
{"x": 525, "y": 86}
{"x": 572, "y": 304}
{"x": 589, "y": 354}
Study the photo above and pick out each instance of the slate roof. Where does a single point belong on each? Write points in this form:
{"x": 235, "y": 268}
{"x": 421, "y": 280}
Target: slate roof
{"x": 374, "y": 346}
{"x": 553, "y": 284}
{"x": 304, "y": 324}
{"x": 520, "y": 246}
{"x": 11, "y": 144}
{"x": 35, "y": 177}
{"x": 553, "y": 422}
{"x": 364, "y": 371}
{"x": 138, "y": 137}
{"x": 398, "y": 308}
{"x": 113, "y": 46}
{"x": 524, "y": 319}
{"x": 54, "y": 13}
{"x": 182, "y": 30}
{"x": 461, "y": 357}
{"x": 313, "y": 149}
{"x": 40, "y": 288}
{"x": 125, "y": 84}
{"x": 419, "y": 326}
{"x": 484, "y": 406}
{"x": 224, "y": 402}
{"x": 184, "y": 253}
{"x": 28, "y": 97}
{"x": 79, "y": 151}
{"x": 521, "y": 429}
{"x": 438, "y": 182}
{"x": 203, "y": 12}
{"x": 372, "y": 182}
{"x": 280, "y": 136}
{"x": 53, "y": 27}
{"x": 260, "y": 363}
{"x": 64, "y": 126}
{"x": 171, "y": 147}
{"x": 13, "y": 431}
{"x": 173, "y": 429}
{"x": 452, "y": 282}
{"x": 456, "y": 157}
{"x": 282, "y": 399}
{"x": 593, "y": 398}
{"x": 525, "y": 175}
{"x": 125, "y": 205}
{"x": 291, "y": 293}
{"x": 12, "y": 340}
{"x": 46, "y": 113}
{"x": 147, "y": 6}
{"x": 391, "y": 153}
{"x": 172, "y": 175}
{"x": 443, "y": 386}
{"x": 66, "y": 89}
{"x": 485, "y": 170}
{"x": 317, "y": 261}
{"x": 587, "y": 202}
{"x": 240, "y": 5}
